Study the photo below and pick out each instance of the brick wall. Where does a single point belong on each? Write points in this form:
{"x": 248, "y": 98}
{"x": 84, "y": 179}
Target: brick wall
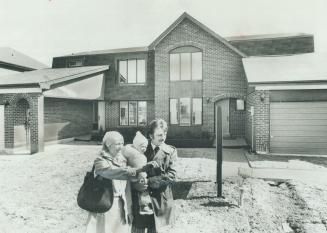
{"x": 112, "y": 114}
{"x": 64, "y": 118}
{"x": 261, "y": 102}
{"x": 276, "y": 46}
{"x": 222, "y": 71}
{"x": 11, "y": 118}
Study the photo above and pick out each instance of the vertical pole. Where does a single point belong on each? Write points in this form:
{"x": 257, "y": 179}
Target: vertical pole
{"x": 219, "y": 147}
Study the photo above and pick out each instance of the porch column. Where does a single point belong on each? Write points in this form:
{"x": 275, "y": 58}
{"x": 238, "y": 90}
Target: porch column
{"x": 2, "y": 128}
{"x": 101, "y": 115}
{"x": 40, "y": 121}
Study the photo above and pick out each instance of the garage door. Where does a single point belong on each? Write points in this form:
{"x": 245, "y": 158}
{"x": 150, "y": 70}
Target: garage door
{"x": 298, "y": 128}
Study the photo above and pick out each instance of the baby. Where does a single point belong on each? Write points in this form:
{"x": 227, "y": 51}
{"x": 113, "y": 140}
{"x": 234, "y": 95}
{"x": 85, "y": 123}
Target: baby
{"x": 134, "y": 153}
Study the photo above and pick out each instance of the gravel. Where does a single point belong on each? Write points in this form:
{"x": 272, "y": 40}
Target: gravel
{"x": 38, "y": 194}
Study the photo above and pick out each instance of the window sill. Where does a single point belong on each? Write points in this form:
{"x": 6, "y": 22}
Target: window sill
{"x": 199, "y": 80}
{"x": 132, "y": 84}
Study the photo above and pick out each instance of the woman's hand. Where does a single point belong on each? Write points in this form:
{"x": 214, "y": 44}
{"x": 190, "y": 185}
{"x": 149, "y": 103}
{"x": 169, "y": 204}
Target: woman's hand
{"x": 132, "y": 171}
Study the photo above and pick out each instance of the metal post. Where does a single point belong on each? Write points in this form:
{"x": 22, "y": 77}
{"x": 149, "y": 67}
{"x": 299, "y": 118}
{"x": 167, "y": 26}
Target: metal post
{"x": 219, "y": 147}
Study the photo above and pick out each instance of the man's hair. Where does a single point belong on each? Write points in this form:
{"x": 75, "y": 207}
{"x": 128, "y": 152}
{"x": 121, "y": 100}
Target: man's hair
{"x": 157, "y": 123}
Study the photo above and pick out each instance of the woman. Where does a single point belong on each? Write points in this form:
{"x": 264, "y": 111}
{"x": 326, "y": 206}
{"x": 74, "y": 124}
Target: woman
{"x": 112, "y": 165}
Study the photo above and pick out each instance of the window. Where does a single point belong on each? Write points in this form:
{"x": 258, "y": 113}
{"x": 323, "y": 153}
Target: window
{"x": 132, "y": 71}
{"x": 185, "y": 111}
{"x": 142, "y": 113}
{"x": 174, "y": 67}
{"x": 75, "y": 63}
{"x": 123, "y": 113}
{"x": 196, "y": 111}
{"x": 185, "y": 66}
{"x": 133, "y": 113}
{"x": 197, "y": 66}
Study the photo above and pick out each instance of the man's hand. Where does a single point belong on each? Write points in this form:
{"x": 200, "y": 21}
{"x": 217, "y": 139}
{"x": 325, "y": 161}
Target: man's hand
{"x": 150, "y": 165}
{"x": 154, "y": 164}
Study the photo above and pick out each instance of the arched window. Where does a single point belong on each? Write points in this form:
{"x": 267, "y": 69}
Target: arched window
{"x": 185, "y": 64}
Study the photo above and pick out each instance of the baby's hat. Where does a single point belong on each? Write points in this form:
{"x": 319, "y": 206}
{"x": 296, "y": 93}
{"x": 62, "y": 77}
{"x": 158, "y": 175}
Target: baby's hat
{"x": 139, "y": 139}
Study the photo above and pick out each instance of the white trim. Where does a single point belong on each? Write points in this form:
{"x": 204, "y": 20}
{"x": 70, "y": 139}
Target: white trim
{"x": 101, "y": 115}
{"x": 290, "y": 87}
{"x": 20, "y": 90}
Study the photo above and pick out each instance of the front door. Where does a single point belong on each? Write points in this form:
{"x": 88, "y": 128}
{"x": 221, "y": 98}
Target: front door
{"x": 224, "y": 104}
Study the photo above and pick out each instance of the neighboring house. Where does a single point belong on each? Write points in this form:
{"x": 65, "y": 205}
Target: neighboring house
{"x": 48, "y": 104}
{"x": 289, "y": 97}
{"x": 182, "y": 76}
{"x": 12, "y": 61}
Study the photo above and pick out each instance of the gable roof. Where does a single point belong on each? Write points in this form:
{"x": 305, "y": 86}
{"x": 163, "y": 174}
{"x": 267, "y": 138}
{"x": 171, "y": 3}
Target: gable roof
{"x": 303, "y": 68}
{"x": 17, "y": 60}
{"x": 202, "y": 26}
{"x": 47, "y": 77}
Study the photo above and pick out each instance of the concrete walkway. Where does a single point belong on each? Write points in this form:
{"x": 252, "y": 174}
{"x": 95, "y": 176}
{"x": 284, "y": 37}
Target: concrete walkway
{"x": 235, "y": 163}
{"x": 233, "y": 159}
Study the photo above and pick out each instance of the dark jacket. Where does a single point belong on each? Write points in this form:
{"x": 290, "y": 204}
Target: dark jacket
{"x": 160, "y": 182}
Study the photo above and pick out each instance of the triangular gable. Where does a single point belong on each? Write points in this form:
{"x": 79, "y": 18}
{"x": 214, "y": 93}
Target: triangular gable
{"x": 202, "y": 26}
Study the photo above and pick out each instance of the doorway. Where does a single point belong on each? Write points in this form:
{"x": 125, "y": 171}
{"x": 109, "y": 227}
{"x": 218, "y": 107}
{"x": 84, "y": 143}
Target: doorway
{"x": 22, "y": 115}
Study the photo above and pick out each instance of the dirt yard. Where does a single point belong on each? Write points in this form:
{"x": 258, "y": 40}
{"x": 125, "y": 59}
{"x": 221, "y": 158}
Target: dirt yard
{"x": 38, "y": 195}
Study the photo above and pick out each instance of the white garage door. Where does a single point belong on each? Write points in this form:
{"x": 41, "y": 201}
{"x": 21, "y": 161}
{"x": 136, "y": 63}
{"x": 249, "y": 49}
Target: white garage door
{"x": 298, "y": 128}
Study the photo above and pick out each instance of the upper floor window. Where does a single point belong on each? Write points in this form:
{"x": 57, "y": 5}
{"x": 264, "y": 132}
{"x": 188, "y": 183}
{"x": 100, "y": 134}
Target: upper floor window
{"x": 75, "y": 62}
{"x": 185, "y": 65}
{"x": 132, "y": 71}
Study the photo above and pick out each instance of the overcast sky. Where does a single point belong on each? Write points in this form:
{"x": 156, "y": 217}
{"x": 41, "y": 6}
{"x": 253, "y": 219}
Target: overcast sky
{"x": 43, "y": 29}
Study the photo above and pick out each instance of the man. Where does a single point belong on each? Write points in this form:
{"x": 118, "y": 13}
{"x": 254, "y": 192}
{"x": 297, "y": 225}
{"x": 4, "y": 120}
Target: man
{"x": 160, "y": 179}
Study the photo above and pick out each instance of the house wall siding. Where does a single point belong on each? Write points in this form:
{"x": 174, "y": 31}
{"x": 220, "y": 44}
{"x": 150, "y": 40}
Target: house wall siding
{"x": 65, "y": 118}
{"x": 222, "y": 72}
{"x": 276, "y": 46}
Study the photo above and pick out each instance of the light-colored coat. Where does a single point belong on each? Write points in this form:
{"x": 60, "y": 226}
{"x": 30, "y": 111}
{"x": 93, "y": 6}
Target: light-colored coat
{"x": 116, "y": 219}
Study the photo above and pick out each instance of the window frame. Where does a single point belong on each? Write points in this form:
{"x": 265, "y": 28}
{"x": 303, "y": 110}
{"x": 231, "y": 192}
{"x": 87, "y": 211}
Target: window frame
{"x": 137, "y": 113}
{"x": 191, "y": 112}
{"x": 191, "y": 66}
{"x": 81, "y": 60}
{"x": 136, "y": 71}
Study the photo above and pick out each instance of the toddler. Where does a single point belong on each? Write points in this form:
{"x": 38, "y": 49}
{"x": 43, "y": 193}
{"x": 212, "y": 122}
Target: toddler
{"x": 134, "y": 153}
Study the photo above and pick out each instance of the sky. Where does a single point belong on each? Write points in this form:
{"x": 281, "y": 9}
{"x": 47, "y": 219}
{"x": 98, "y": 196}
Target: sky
{"x": 44, "y": 29}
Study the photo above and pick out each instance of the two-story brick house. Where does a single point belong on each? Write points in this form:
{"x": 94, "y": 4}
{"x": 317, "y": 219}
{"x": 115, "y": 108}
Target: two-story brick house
{"x": 180, "y": 77}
